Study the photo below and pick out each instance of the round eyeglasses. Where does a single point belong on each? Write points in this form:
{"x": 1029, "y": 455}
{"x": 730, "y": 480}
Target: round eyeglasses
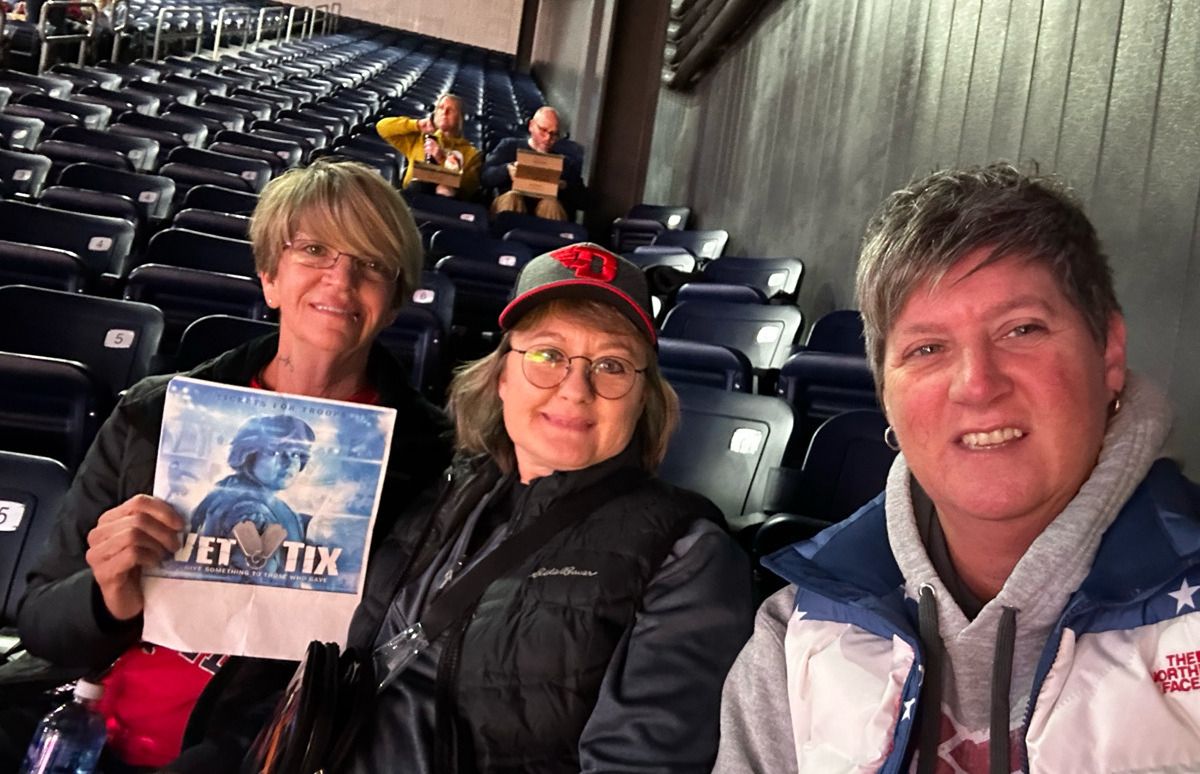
{"x": 610, "y": 376}
{"x": 318, "y": 255}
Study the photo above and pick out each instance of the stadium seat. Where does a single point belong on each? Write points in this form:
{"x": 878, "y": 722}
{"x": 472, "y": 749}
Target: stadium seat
{"x": 290, "y": 151}
{"x": 96, "y": 203}
{"x": 197, "y": 250}
{"x": 708, "y": 365}
{"x": 630, "y": 233}
{"x": 211, "y": 197}
{"x": 209, "y": 336}
{"x": 727, "y": 445}
{"x": 22, "y": 175}
{"x": 481, "y": 291}
{"x": 50, "y": 407}
{"x": 188, "y": 176}
{"x": 224, "y": 224}
{"x": 455, "y": 241}
{"x": 778, "y": 278}
{"x": 565, "y": 232}
{"x": 838, "y": 331}
{"x": 256, "y": 172}
{"x": 62, "y": 154}
{"x": 705, "y": 245}
{"x": 90, "y": 115}
{"x": 448, "y": 213}
{"x": 820, "y": 385}
{"x": 142, "y": 152}
{"x": 19, "y": 132}
{"x": 151, "y": 194}
{"x": 43, "y": 267}
{"x": 436, "y": 293}
{"x": 846, "y": 465}
{"x": 709, "y": 292}
{"x": 672, "y": 217}
{"x": 185, "y": 295}
{"x": 102, "y": 243}
{"x": 115, "y": 339}
{"x": 31, "y": 489}
{"x": 765, "y": 334}
{"x": 417, "y": 339}
{"x": 674, "y": 257}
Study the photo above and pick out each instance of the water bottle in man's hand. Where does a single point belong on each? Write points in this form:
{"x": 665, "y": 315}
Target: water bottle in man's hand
{"x": 70, "y": 738}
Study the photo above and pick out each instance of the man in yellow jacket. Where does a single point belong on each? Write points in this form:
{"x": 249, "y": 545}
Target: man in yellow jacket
{"x": 439, "y": 139}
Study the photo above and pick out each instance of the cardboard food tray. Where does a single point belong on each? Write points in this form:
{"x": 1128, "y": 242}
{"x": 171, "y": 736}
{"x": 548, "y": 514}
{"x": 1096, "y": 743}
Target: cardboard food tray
{"x": 436, "y": 174}
{"x": 537, "y": 174}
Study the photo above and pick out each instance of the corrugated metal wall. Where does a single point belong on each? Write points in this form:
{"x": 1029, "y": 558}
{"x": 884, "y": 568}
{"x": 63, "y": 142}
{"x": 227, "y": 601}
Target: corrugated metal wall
{"x": 827, "y": 105}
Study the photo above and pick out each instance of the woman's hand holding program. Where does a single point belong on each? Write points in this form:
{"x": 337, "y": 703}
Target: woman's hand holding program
{"x": 138, "y": 533}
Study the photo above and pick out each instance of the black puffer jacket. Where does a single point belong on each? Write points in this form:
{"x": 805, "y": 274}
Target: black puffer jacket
{"x": 63, "y": 618}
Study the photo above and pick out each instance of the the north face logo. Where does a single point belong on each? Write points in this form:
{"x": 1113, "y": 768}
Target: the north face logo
{"x": 588, "y": 262}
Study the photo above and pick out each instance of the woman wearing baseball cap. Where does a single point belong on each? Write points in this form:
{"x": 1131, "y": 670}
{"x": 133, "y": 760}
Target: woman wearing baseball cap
{"x": 554, "y": 606}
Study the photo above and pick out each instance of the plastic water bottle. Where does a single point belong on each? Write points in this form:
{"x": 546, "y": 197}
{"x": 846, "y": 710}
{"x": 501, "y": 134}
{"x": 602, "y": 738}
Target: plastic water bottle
{"x": 70, "y": 738}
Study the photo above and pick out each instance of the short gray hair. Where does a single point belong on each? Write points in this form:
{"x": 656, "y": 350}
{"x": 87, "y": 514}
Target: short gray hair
{"x": 921, "y": 231}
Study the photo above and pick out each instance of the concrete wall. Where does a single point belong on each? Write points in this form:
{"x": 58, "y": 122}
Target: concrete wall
{"x": 491, "y": 24}
{"x": 827, "y": 105}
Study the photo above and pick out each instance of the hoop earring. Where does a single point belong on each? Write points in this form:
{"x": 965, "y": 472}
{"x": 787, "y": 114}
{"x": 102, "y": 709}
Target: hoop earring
{"x": 890, "y": 440}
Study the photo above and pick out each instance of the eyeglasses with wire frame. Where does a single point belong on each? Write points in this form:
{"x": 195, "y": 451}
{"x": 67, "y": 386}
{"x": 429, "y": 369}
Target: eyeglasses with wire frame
{"x": 318, "y": 255}
{"x": 610, "y": 377}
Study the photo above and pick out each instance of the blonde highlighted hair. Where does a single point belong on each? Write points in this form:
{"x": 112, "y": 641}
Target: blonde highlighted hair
{"x": 343, "y": 202}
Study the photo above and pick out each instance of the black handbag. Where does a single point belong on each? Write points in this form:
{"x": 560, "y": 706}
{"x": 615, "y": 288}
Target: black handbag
{"x": 332, "y": 693}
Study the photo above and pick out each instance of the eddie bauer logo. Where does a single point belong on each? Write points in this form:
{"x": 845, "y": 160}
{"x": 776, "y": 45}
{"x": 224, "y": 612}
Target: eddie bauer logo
{"x": 1180, "y": 674}
{"x": 546, "y": 572}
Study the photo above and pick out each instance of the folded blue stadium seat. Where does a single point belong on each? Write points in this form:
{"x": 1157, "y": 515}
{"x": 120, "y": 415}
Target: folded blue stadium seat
{"x": 197, "y": 250}
{"x": 102, "y": 243}
{"x": 249, "y": 108}
{"x": 209, "y": 336}
{"x": 846, "y": 465}
{"x": 192, "y": 131}
{"x": 540, "y": 241}
{"x": 631, "y": 233}
{"x": 22, "y": 175}
{"x": 105, "y": 203}
{"x": 708, "y": 292}
{"x": 382, "y": 162}
{"x": 670, "y": 216}
{"x": 214, "y": 120}
{"x": 188, "y": 176}
{"x": 417, "y": 339}
{"x": 19, "y": 132}
{"x": 821, "y": 385}
{"x": 49, "y": 406}
{"x": 563, "y": 230}
{"x": 115, "y": 339}
{"x": 62, "y": 154}
{"x": 838, "y": 331}
{"x": 649, "y": 256}
{"x": 707, "y": 365}
{"x": 166, "y": 139}
{"x": 141, "y": 152}
{"x": 446, "y": 212}
{"x": 224, "y": 224}
{"x": 778, "y": 278}
{"x": 51, "y": 119}
{"x": 481, "y": 291}
{"x": 43, "y": 267}
{"x": 278, "y": 166}
{"x": 186, "y": 295}
{"x": 727, "y": 446}
{"x": 436, "y": 293}
{"x": 31, "y": 488}
{"x": 120, "y": 101}
{"x": 314, "y": 136}
{"x": 152, "y": 194}
{"x": 289, "y": 151}
{"x": 764, "y": 333}
{"x": 456, "y": 241}
{"x": 24, "y": 83}
{"x": 256, "y": 172}
{"x": 706, "y": 245}
{"x": 212, "y": 197}
{"x": 94, "y": 76}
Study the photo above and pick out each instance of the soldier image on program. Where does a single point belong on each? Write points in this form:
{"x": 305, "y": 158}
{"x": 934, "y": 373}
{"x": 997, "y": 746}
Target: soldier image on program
{"x": 267, "y": 455}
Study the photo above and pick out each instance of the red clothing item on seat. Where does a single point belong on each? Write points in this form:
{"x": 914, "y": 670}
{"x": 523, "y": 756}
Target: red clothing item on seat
{"x": 148, "y": 695}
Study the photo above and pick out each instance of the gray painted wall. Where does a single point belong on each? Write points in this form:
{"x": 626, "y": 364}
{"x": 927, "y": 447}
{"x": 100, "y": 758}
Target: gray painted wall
{"x": 827, "y": 105}
{"x": 571, "y": 46}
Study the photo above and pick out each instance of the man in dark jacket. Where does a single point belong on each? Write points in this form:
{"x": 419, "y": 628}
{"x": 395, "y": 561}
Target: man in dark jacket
{"x": 545, "y": 136}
